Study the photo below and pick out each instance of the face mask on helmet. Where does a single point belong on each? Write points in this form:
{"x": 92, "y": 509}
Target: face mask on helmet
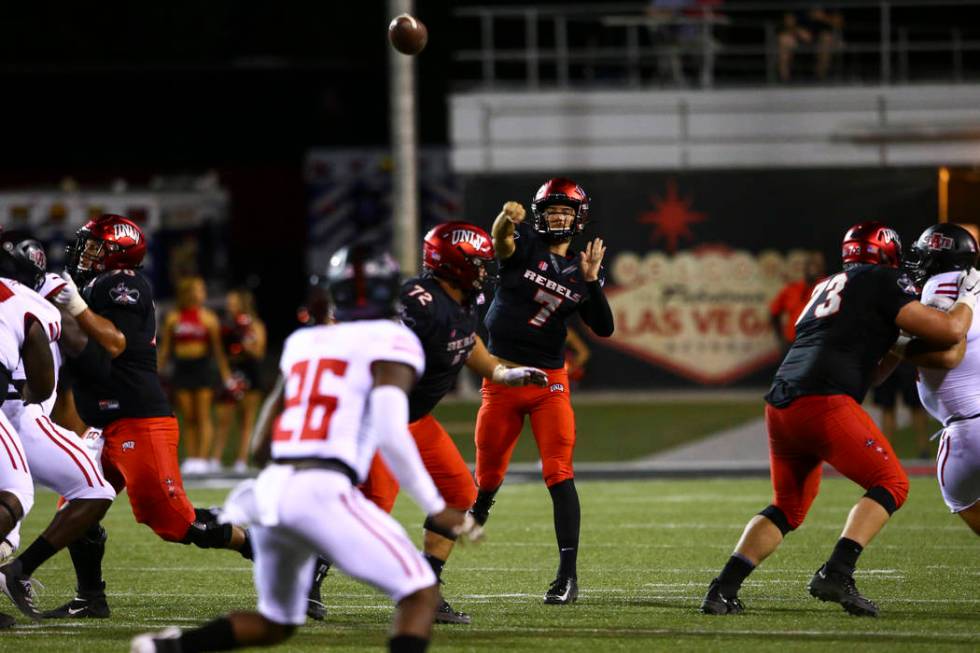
{"x": 363, "y": 285}
{"x": 941, "y": 248}
{"x": 560, "y": 209}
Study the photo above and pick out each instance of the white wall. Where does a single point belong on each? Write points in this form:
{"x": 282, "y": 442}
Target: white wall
{"x": 608, "y": 130}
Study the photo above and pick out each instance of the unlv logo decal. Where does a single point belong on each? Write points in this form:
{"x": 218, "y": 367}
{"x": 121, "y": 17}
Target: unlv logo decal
{"x": 122, "y": 231}
{"x": 939, "y": 242}
{"x": 466, "y": 236}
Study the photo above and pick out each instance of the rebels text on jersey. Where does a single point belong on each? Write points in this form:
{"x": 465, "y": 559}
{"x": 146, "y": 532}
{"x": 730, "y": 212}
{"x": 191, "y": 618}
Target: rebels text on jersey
{"x": 130, "y": 387}
{"x": 20, "y": 307}
{"x": 328, "y": 377}
{"x": 537, "y": 293}
{"x": 842, "y": 334}
{"x": 447, "y": 331}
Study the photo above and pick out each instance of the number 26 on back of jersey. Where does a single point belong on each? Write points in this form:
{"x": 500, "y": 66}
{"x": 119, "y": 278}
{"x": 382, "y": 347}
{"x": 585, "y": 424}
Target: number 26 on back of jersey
{"x": 307, "y": 392}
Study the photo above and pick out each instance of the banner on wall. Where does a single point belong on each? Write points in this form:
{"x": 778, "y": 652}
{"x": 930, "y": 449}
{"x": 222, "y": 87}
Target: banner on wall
{"x": 695, "y": 259}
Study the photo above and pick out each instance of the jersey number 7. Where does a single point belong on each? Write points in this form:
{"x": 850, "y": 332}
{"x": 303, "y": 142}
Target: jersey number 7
{"x": 319, "y": 407}
{"x": 827, "y": 293}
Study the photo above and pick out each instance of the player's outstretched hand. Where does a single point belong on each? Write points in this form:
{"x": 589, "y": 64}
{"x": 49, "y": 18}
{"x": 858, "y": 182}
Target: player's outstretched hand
{"x": 514, "y": 212}
{"x": 591, "y": 260}
{"x": 458, "y": 522}
{"x": 69, "y": 296}
{"x": 519, "y": 376}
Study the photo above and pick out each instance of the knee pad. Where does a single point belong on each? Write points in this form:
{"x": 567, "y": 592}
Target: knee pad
{"x": 207, "y": 536}
{"x": 461, "y": 497}
{"x": 555, "y": 471}
{"x": 892, "y": 498}
{"x": 778, "y": 517}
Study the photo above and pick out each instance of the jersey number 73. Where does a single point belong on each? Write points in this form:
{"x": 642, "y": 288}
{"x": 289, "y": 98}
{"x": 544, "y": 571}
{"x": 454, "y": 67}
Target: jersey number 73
{"x": 825, "y": 299}
{"x": 303, "y": 387}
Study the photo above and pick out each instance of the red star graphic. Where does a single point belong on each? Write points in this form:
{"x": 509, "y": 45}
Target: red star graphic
{"x": 672, "y": 216}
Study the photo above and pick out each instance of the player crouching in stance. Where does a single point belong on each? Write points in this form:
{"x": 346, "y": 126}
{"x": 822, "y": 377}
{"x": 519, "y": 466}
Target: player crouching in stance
{"x": 345, "y": 396}
{"x": 948, "y": 376}
{"x": 542, "y": 284}
{"x": 814, "y": 415}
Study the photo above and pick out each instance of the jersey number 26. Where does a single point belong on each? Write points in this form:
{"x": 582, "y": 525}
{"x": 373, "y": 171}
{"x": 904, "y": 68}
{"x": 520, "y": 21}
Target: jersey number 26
{"x": 319, "y": 407}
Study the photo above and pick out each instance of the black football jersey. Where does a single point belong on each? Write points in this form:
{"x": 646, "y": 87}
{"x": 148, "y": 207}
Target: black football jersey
{"x": 842, "y": 334}
{"x": 538, "y": 291}
{"x": 447, "y": 331}
{"x": 125, "y": 298}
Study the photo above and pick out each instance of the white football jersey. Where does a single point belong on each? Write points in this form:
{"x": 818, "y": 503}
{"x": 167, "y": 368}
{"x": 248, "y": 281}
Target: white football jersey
{"x": 328, "y": 380}
{"x": 18, "y": 304}
{"x": 956, "y": 392}
{"x": 52, "y": 285}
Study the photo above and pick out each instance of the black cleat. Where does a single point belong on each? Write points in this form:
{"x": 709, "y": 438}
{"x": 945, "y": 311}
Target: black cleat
{"x": 314, "y": 606}
{"x": 17, "y": 585}
{"x": 84, "y": 606}
{"x": 715, "y": 603}
{"x": 481, "y": 507}
{"x": 6, "y": 621}
{"x": 563, "y": 590}
{"x": 830, "y": 585}
{"x": 446, "y": 615}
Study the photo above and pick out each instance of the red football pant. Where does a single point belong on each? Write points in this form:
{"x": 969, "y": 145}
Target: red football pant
{"x": 441, "y": 459}
{"x": 140, "y": 454}
{"x": 834, "y": 428}
{"x": 501, "y": 419}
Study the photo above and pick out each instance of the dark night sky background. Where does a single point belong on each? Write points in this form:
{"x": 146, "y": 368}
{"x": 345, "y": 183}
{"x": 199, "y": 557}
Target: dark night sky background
{"x": 114, "y": 89}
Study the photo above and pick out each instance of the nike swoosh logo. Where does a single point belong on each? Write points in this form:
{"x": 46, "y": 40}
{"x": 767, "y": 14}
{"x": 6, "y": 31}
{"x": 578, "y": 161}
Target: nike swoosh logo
{"x": 74, "y": 611}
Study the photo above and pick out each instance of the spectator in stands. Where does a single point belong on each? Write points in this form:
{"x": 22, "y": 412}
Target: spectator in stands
{"x": 191, "y": 334}
{"x": 815, "y": 27}
{"x": 787, "y": 305}
{"x": 244, "y": 337}
{"x": 682, "y": 28}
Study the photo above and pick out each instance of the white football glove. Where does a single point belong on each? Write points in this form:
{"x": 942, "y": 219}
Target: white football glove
{"x": 969, "y": 287}
{"x": 518, "y": 376}
{"x": 469, "y": 530}
{"x": 69, "y": 297}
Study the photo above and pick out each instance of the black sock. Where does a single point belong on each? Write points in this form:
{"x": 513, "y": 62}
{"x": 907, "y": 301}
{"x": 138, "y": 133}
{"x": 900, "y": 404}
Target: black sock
{"x": 86, "y": 556}
{"x": 436, "y": 565}
{"x": 407, "y": 644}
{"x": 246, "y": 549}
{"x": 564, "y": 500}
{"x": 845, "y": 556}
{"x": 35, "y": 555}
{"x": 735, "y": 571}
{"x": 216, "y": 635}
{"x": 481, "y": 507}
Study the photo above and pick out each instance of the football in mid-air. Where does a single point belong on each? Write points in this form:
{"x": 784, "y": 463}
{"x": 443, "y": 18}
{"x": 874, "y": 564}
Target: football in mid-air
{"x": 407, "y": 34}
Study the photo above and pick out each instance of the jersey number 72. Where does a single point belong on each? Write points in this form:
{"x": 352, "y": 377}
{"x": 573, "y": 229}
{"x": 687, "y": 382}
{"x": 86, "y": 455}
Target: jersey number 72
{"x": 827, "y": 293}
{"x": 319, "y": 407}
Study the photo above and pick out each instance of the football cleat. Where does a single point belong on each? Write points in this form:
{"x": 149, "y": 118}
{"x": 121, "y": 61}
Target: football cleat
{"x": 165, "y": 641}
{"x": 19, "y": 588}
{"x": 6, "y": 621}
{"x": 830, "y": 585}
{"x": 563, "y": 590}
{"x": 84, "y": 606}
{"x": 314, "y": 607}
{"x": 481, "y": 513}
{"x": 716, "y": 603}
{"x": 446, "y": 615}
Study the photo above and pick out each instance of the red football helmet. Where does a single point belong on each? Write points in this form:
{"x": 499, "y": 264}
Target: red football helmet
{"x": 560, "y": 190}
{"x": 108, "y": 242}
{"x": 458, "y": 252}
{"x": 872, "y": 242}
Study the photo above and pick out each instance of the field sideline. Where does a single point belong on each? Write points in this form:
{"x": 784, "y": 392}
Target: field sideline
{"x": 648, "y": 550}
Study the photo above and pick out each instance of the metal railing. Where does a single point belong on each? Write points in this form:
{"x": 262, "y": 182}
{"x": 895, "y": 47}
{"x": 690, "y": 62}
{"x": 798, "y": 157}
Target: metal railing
{"x": 623, "y": 44}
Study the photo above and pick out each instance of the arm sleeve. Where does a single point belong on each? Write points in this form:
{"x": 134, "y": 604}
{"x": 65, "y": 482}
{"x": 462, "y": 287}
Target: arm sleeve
{"x": 523, "y": 243}
{"x": 389, "y": 419}
{"x": 595, "y": 311}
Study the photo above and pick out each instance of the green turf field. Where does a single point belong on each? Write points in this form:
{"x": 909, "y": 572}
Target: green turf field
{"x": 648, "y": 550}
